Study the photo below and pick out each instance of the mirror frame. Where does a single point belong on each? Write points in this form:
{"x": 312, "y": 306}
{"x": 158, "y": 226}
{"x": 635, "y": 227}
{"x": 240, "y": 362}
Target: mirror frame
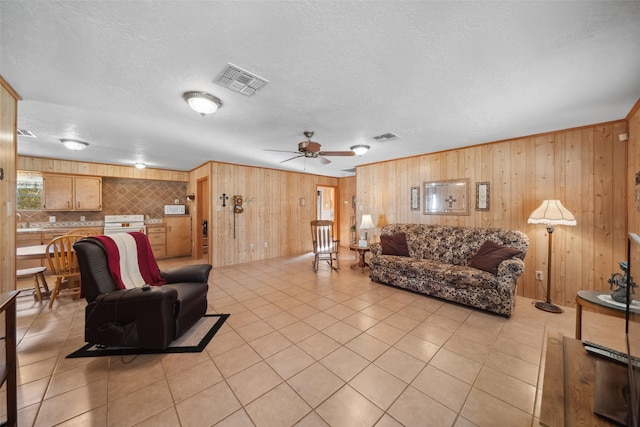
{"x": 460, "y": 209}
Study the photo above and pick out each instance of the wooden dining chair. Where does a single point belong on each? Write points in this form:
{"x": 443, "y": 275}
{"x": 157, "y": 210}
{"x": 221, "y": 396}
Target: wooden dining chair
{"x": 325, "y": 246}
{"x": 63, "y": 264}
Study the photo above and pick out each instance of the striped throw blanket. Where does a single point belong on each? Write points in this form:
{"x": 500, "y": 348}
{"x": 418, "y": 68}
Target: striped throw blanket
{"x": 131, "y": 261}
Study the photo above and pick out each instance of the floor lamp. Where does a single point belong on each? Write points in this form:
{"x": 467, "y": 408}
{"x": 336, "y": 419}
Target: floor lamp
{"x": 550, "y": 213}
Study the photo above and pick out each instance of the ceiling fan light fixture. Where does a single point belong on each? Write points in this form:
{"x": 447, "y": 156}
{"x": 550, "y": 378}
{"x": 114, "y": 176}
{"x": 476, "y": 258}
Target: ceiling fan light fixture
{"x": 74, "y": 144}
{"x": 202, "y": 102}
{"x": 360, "y": 149}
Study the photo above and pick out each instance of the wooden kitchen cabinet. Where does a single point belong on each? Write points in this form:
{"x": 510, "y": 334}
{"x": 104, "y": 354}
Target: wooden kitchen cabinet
{"x": 158, "y": 239}
{"x": 57, "y": 192}
{"x": 71, "y": 193}
{"x": 87, "y": 192}
{"x": 178, "y": 235}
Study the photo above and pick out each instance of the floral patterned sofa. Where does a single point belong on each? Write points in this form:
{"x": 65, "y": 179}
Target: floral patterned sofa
{"x": 439, "y": 260}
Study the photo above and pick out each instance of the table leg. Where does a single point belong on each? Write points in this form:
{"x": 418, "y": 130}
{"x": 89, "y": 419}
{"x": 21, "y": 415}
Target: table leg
{"x": 363, "y": 263}
{"x": 361, "y": 260}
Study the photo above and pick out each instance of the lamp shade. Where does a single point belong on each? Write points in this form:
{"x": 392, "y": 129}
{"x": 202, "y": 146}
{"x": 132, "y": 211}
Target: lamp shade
{"x": 367, "y": 222}
{"x": 551, "y": 212}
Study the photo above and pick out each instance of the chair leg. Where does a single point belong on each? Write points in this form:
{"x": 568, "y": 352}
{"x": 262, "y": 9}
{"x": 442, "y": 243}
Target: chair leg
{"x": 43, "y": 281}
{"x": 36, "y": 287}
{"x": 55, "y": 292}
{"x": 40, "y": 281}
{"x": 45, "y": 285}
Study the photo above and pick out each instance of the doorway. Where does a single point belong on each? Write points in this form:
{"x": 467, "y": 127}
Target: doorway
{"x": 327, "y": 206}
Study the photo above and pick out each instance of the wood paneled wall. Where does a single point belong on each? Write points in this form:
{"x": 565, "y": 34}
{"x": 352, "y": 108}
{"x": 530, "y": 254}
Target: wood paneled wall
{"x": 272, "y": 212}
{"x": 633, "y": 188}
{"x": 583, "y": 167}
{"x": 98, "y": 169}
{"x": 8, "y": 142}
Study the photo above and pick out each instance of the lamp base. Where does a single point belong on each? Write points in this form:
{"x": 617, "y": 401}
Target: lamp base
{"x": 547, "y": 306}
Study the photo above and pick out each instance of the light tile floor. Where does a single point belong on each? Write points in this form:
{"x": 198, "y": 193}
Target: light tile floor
{"x": 301, "y": 349}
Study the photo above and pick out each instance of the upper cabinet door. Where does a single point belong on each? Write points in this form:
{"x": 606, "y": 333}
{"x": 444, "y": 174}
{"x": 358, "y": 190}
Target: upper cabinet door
{"x": 58, "y": 192}
{"x": 71, "y": 193}
{"x": 88, "y": 193}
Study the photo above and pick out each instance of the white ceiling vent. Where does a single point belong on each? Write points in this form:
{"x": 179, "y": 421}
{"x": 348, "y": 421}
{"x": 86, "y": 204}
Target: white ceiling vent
{"x": 386, "y": 137}
{"x": 27, "y": 133}
{"x": 239, "y": 80}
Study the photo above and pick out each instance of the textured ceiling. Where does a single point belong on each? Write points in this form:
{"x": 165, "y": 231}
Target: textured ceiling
{"x": 439, "y": 74}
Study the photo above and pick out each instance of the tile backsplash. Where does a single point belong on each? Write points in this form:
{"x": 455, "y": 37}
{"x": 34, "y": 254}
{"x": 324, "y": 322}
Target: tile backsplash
{"x": 121, "y": 196}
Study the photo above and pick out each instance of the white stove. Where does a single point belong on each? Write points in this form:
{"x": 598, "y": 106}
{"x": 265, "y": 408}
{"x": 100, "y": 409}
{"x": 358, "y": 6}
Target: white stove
{"x": 123, "y": 223}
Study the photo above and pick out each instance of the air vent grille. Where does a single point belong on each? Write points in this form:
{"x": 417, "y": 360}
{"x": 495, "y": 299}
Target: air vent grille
{"x": 239, "y": 80}
{"x": 27, "y": 133}
{"x": 352, "y": 170}
{"x": 386, "y": 137}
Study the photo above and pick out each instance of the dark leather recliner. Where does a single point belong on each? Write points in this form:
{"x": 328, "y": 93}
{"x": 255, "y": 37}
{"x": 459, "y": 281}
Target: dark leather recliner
{"x": 136, "y": 317}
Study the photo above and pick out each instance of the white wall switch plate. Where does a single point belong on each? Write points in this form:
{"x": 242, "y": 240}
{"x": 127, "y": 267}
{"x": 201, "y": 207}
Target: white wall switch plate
{"x": 52, "y": 219}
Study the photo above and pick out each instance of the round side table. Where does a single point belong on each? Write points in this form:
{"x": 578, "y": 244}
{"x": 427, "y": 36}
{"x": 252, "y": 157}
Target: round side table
{"x": 361, "y": 251}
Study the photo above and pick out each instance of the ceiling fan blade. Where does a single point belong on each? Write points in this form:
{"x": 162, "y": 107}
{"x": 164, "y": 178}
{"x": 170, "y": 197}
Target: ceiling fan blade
{"x": 337, "y": 153}
{"x": 294, "y": 157}
{"x": 324, "y": 160}
{"x": 280, "y": 151}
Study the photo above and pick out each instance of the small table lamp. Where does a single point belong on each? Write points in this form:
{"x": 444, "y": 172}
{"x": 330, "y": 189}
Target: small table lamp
{"x": 365, "y": 225}
{"x": 550, "y": 213}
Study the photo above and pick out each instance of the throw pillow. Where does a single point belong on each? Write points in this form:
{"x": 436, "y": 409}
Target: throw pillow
{"x": 394, "y": 244}
{"x": 490, "y": 255}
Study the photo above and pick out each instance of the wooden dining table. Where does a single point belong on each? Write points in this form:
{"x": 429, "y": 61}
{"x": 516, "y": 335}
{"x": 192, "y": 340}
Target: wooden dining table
{"x": 31, "y": 252}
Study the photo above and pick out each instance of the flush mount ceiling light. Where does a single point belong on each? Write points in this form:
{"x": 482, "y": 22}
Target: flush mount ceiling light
{"x": 360, "y": 149}
{"x": 140, "y": 165}
{"x": 202, "y": 102}
{"x": 74, "y": 144}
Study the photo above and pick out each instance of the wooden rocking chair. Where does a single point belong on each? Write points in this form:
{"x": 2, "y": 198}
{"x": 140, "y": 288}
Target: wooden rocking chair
{"x": 325, "y": 247}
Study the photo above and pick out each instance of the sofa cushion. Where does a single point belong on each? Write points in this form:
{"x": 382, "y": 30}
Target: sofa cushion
{"x": 394, "y": 244}
{"x": 490, "y": 255}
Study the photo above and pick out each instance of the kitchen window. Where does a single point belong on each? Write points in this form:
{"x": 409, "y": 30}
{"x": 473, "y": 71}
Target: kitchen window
{"x": 29, "y": 191}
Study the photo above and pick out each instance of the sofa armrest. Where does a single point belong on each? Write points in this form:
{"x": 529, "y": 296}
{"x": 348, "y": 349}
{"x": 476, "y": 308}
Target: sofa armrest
{"x": 376, "y": 249}
{"x": 511, "y": 268}
{"x": 188, "y": 273}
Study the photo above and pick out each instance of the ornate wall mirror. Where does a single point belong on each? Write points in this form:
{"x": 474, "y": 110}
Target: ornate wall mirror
{"x": 449, "y": 197}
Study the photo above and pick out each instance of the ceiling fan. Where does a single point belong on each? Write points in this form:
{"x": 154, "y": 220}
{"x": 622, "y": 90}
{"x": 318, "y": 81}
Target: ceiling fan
{"x": 310, "y": 149}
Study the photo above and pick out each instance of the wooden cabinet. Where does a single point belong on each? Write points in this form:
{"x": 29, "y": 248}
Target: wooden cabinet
{"x": 178, "y": 235}
{"x": 87, "y": 193}
{"x": 158, "y": 239}
{"x": 57, "y": 192}
{"x": 71, "y": 193}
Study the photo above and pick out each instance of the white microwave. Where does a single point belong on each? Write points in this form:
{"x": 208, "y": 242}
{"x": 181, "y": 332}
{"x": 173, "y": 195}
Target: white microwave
{"x": 175, "y": 209}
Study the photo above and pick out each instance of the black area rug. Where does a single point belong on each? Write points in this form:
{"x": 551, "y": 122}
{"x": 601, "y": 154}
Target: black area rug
{"x": 193, "y": 341}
